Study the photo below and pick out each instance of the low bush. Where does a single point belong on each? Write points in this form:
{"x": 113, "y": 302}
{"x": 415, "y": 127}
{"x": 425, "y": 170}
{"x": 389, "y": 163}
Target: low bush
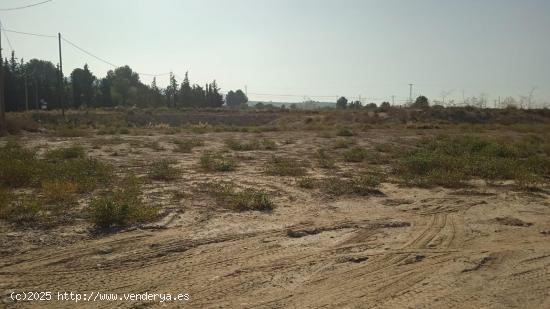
{"x": 20, "y": 211}
{"x": 261, "y": 144}
{"x": 227, "y": 196}
{"x": 20, "y": 167}
{"x": 187, "y": 145}
{"x": 122, "y": 206}
{"x": 285, "y": 166}
{"x": 361, "y": 185}
{"x": 61, "y": 192}
{"x": 163, "y": 170}
{"x": 452, "y": 161}
{"x": 217, "y": 162}
{"x": 73, "y": 152}
{"x": 356, "y": 154}
{"x": 324, "y": 159}
{"x": 343, "y": 143}
{"x": 344, "y": 132}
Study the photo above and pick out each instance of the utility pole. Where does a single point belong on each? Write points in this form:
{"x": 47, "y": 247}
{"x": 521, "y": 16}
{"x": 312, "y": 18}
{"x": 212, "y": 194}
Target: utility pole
{"x": 61, "y": 86}
{"x": 393, "y": 100}
{"x": 3, "y": 125}
{"x": 35, "y": 84}
{"x": 26, "y": 94}
{"x": 411, "y": 93}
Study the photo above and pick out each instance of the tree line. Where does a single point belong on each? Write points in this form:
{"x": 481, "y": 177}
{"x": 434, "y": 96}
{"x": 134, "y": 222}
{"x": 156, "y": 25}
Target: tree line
{"x": 37, "y": 83}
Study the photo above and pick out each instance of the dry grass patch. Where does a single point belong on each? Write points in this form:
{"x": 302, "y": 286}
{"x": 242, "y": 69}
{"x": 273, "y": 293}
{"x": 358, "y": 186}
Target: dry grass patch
{"x": 344, "y": 132}
{"x": 228, "y": 195}
{"x": 361, "y": 185}
{"x": 343, "y": 143}
{"x": 217, "y": 162}
{"x": 285, "y": 166}
{"x": 324, "y": 159}
{"x": 122, "y": 206}
{"x": 187, "y": 145}
{"x": 261, "y": 144}
{"x": 452, "y": 161}
{"x": 163, "y": 170}
{"x": 61, "y": 192}
{"x": 21, "y": 167}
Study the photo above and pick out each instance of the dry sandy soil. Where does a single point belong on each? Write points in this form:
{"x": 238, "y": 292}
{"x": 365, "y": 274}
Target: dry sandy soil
{"x": 481, "y": 247}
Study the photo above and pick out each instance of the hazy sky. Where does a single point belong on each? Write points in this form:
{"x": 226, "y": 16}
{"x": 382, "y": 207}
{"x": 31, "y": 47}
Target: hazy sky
{"x": 304, "y": 47}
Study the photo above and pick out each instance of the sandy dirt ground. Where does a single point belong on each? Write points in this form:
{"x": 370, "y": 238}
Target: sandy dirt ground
{"x": 479, "y": 247}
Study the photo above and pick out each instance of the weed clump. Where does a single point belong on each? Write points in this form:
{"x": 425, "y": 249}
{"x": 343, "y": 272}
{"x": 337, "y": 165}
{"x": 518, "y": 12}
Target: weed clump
{"x": 217, "y": 162}
{"x": 227, "y": 196}
{"x": 356, "y": 154}
{"x": 361, "y": 185}
{"x": 324, "y": 159}
{"x": 61, "y": 192}
{"x": 262, "y": 144}
{"x": 18, "y": 211}
{"x": 122, "y": 206}
{"x": 343, "y": 143}
{"x": 187, "y": 145}
{"x": 73, "y": 152}
{"x": 163, "y": 170}
{"x": 344, "y": 132}
{"x": 285, "y": 166}
{"x": 452, "y": 161}
{"x": 17, "y": 166}
{"x": 20, "y": 167}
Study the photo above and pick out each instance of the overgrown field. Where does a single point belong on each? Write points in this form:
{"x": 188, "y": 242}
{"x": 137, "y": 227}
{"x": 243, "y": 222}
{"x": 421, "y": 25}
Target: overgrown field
{"x": 84, "y": 168}
{"x": 394, "y": 209}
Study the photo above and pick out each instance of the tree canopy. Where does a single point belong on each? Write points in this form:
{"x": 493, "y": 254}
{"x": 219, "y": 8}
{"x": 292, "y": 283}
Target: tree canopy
{"x": 236, "y": 99}
{"x": 120, "y": 87}
{"x": 342, "y": 103}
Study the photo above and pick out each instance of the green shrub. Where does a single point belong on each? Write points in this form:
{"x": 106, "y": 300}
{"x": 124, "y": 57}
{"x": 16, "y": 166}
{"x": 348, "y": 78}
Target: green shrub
{"x": 343, "y": 143}
{"x": 361, "y": 185}
{"x": 452, "y": 161}
{"x": 187, "y": 145}
{"x": 163, "y": 170}
{"x": 324, "y": 159}
{"x": 356, "y": 154}
{"x": 365, "y": 184}
{"x": 217, "y": 162}
{"x": 262, "y": 144}
{"x": 73, "y": 152}
{"x": 122, "y": 206}
{"x": 86, "y": 173}
{"x": 20, "y": 167}
{"x": 267, "y": 144}
{"x": 17, "y": 166}
{"x": 306, "y": 183}
{"x": 20, "y": 211}
{"x": 344, "y": 132}
{"x": 285, "y": 166}
{"x": 242, "y": 146}
{"x": 227, "y": 196}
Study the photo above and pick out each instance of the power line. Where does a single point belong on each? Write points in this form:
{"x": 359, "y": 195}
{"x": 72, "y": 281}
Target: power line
{"x": 25, "y": 6}
{"x": 77, "y": 47}
{"x": 28, "y": 33}
{"x": 105, "y": 61}
{"x": 6, "y": 35}
{"x": 88, "y": 53}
